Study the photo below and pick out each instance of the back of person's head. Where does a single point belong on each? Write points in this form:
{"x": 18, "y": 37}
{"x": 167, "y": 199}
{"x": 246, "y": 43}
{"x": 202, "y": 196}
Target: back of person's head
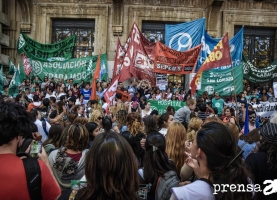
{"x": 252, "y": 136}
{"x": 18, "y": 97}
{"x": 215, "y": 110}
{"x": 150, "y": 124}
{"x": 91, "y": 126}
{"x": 162, "y": 119}
{"x": 269, "y": 143}
{"x": 190, "y": 102}
{"x": 234, "y": 128}
{"x": 156, "y": 161}
{"x": 223, "y": 158}
{"x": 115, "y": 179}
{"x": 77, "y": 137}
{"x": 213, "y": 119}
{"x": 35, "y": 98}
{"x": 121, "y": 117}
{"x": 107, "y": 123}
{"x": 175, "y": 144}
{"x": 80, "y": 120}
{"x": 170, "y": 109}
{"x": 54, "y": 135}
{"x": 118, "y": 96}
{"x": 194, "y": 125}
{"x": 53, "y": 99}
{"x": 33, "y": 114}
{"x": 202, "y": 107}
{"x": 62, "y": 97}
{"x": 14, "y": 121}
{"x": 134, "y": 123}
{"x": 46, "y": 102}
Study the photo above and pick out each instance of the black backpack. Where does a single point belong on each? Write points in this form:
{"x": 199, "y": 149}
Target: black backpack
{"x": 33, "y": 176}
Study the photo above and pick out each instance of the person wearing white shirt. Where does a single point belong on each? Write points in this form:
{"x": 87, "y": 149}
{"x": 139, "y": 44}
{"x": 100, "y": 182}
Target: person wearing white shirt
{"x": 39, "y": 124}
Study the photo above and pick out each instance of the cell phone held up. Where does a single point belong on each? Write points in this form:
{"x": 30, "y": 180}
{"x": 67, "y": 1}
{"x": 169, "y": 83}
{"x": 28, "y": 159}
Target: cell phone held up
{"x": 35, "y": 148}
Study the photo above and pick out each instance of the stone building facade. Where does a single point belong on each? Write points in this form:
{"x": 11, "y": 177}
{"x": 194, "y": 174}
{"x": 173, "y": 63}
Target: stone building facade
{"x": 44, "y": 20}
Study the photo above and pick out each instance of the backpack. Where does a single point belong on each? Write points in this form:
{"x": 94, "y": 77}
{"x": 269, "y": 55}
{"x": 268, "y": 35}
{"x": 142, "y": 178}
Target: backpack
{"x": 43, "y": 121}
{"x": 33, "y": 176}
{"x": 164, "y": 184}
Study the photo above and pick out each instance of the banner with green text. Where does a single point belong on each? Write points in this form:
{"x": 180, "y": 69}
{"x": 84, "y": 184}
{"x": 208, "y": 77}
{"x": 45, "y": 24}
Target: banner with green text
{"x": 161, "y": 105}
{"x": 60, "y": 51}
{"x": 78, "y": 69}
{"x": 221, "y": 81}
{"x": 258, "y": 75}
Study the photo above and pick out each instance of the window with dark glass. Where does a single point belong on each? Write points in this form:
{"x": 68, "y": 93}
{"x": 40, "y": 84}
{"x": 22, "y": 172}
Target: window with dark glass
{"x": 84, "y": 31}
{"x": 258, "y": 45}
{"x": 154, "y": 31}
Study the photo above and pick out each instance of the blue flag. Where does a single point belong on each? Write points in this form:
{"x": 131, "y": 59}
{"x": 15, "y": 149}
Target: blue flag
{"x": 184, "y": 36}
{"x": 102, "y": 71}
{"x": 246, "y": 121}
{"x": 208, "y": 44}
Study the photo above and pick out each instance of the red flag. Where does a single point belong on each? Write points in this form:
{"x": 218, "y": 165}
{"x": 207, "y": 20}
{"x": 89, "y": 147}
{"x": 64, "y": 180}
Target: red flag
{"x": 111, "y": 91}
{"x": 26, "y": 64}
{"x": 220, "y": 56}
{"x": 119, "y": 57}
{"x": 137, "y": 61}
{"x": 169, "y": 61}
{"x": 95, "y": 77}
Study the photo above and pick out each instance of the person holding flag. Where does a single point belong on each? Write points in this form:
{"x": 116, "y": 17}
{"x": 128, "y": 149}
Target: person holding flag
{"x": 220, "y": 56}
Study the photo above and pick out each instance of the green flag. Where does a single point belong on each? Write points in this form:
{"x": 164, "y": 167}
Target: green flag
{"x": 22, "y": 73}
{"x": 15, "y": 83}
{"x": 60, "y": 51}
{"x": 12, "y": 68}
{"x": 1, "y": 79}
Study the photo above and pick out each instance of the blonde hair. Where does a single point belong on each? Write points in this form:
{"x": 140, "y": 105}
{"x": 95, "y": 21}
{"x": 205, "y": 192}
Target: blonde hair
{"x": 113, "y": 110}
{"x": 94, "y": 116}
{"x": 193, "y": 126}
{"x": 234, "y": 128}
{"x": 175, "y": 144}
{"x": 98, "y": 106}
{"x": 120, "y": 106}
{"x": 134, "y": 123}
{"x": 80, "y": 120}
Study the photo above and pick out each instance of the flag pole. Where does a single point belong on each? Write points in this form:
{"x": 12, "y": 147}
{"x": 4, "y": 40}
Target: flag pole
{"x": 237, "y": 110}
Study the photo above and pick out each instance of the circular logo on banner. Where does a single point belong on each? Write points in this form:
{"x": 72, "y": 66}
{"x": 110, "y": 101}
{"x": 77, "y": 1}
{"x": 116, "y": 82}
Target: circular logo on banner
{"x": 180, "y": 36}
{"x": 37, "y": 67}
{"x": 232, "y": 48}
{"x": 209, "y": 89}
{"x": 21, "y": 41}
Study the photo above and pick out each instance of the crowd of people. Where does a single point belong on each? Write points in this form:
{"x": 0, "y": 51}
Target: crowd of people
{"x": 129, "y": 151}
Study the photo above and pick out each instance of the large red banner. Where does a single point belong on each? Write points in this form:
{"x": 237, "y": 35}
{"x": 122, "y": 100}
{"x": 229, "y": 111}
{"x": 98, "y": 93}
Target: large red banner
{"x": 119, "y": 56}
{"x": 170, "y": 61}
{"x": 220, "y": 56}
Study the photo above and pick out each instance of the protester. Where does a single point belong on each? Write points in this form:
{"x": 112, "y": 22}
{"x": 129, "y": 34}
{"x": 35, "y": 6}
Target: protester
{"x": 215, "y": 160}
{"x": 263, "y": 163}
{"x": 229, "y": 115}
{"x": 218, "y": 103}
{"x": 164, "y": 121}
{"x": 54, "y": 137}
{"x": 183, "y": 114}
{"x": 14, "y": 125}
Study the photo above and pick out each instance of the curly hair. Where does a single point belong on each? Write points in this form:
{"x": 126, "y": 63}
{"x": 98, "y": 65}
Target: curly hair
{"x": 121, "y": 117}
{"x": 95, "y": 115}
{"x": 175, "y": 144}
{"x": 113, "y": 110}
{"x": 134, "y": 123}
{"x": 193, "y": 126}
{"x": 271, "y": 150}
{"x": 14, "y": 121}
{"x": 77, "y": 137}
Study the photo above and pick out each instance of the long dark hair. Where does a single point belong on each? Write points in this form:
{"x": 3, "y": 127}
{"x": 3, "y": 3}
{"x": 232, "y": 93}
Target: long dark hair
{"x": 107, "y": 176}
{"x": 252, "y": 136}
{"x": 91, "y": 126}
{"x": 150, "y": 124}
{"x": 271, "y": 151}
{"x": 156, "y": 162}
{"x": 219, "y": 145}
{"x": 163, "y": 118}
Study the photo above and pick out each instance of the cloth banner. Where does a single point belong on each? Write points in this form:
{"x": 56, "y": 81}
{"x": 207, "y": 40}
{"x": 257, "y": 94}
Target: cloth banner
{"x": 162, "y": 81}
{"x": 119, "y": 56}
{"x": 169, "y": 61}
{"x": 275, "y": 89}
{"x": 161, "y": 105}
{"x": 221, "y": 81}
{"x": 258, "y": 75}
{"x": 265, "y": 111}
{"x": 184, "y": 36}
{"x": 15, "y": 82}
{"x": 78, "y": 68}
{"x": 208, "y": 43}
{"x": 136, "y": 60}
{"x": 59, "y": 51}
{"x": 110, "y": 92}
{"x": 12, "y": 68}
{"x": 220, "y": 56}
